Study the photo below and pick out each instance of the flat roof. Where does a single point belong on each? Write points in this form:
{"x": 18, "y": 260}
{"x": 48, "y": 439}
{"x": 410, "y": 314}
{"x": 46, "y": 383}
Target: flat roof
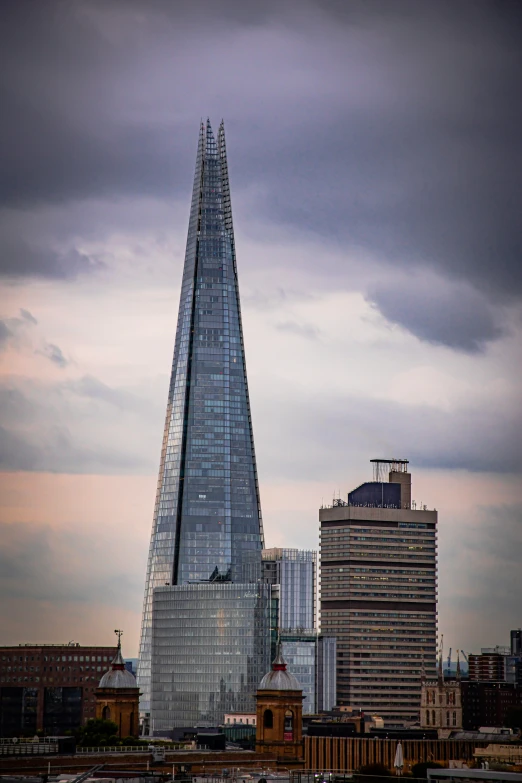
{"x": 472, "y": 774}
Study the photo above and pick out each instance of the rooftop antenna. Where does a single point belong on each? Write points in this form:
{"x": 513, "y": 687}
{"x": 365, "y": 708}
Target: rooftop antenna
{"x": 119, "y": 634}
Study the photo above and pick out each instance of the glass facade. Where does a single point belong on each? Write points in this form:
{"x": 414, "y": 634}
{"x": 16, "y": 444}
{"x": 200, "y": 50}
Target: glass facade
{"x": 211, "y": 647}
{"x": 295, "y": 571}
{"x": 300, "y": 654}
{"x": 326, "y": 673}
{"x": 207, "y": 519}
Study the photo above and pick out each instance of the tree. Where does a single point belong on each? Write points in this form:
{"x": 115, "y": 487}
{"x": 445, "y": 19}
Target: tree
{"x": 374, "y": 770}
{"x": 420, "y": 770}
{"x": 97, "y": 732}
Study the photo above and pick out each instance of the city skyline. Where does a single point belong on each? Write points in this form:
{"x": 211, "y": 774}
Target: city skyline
{"x": 372, "y": 154}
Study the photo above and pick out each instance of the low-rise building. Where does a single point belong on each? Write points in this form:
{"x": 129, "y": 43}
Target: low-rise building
{"x": 487, "y": 703}
{"x": 49, "y": 687}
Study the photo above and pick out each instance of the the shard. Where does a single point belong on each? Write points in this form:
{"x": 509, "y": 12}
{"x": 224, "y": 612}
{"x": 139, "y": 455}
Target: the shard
{"x": 207, "y": 530}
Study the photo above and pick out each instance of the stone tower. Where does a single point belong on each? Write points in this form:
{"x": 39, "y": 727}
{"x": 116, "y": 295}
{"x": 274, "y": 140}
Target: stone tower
{"x": 280, "y": 714}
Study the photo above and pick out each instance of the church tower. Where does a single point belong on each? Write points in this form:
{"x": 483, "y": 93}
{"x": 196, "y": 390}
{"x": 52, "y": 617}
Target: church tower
{"x": 279, "y": 728}
{"x": 117, "y": 697}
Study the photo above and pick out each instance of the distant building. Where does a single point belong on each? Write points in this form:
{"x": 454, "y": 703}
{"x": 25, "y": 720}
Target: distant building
{"x": 240, "y": 719}
{"x": 516, "y": 642}
{"x": 378, "y": 555}
{"x": 309, "y": 656}
{"x": 49, "y": 687}
{"x": 490, "y": 665}
{"x": 326, "y": 673}
{"x": 295, "y": 570}
{"x": 486, "y": 703}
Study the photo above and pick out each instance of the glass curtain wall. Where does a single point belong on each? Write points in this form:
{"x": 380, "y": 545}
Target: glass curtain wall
{"x": 211, "y": 647}
{"x": 207, "y": 519}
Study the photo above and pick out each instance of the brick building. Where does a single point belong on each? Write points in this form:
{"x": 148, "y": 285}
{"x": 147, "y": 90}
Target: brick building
{"x": 486, "y": 703}
{"x": 49, "y": 687}
{"x": 489, "y": 666}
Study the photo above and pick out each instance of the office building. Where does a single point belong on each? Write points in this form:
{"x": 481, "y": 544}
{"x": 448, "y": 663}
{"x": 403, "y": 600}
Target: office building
{"x": 294, "y": 571}
{"x": 378, "y": 560}
{"x": 489, "y": 666}
{"x": 300, "y": 653}
{"x": 207, "y": 529}
{"x": 209, "y": 644}
{"x": 516, "y": 642}
{"x": 49, "y": 687}
{"x": 487, "y": 703}
{"x": 326, "y": 696}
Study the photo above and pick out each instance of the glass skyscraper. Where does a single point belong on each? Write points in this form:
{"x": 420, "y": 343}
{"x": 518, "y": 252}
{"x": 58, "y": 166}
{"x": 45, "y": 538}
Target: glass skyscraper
{"x": 207, "y": 525}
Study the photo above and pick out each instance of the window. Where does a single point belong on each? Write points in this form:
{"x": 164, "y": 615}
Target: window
{"x": 268, "y": 719}
{"x": 288, "y": 735}
{"x": 106, "y": 713}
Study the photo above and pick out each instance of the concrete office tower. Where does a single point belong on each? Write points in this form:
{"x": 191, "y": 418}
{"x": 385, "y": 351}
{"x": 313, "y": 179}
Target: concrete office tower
{"x": 378, "y": 558}
{"x": 207, "y": 519}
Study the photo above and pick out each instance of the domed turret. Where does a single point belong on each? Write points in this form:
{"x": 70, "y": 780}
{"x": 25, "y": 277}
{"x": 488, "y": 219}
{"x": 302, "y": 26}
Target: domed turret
{"x": 279, "y": 679}
{"x": 118, "y": 676}
{"x": 280, "y": 713}
{"x": 117, "y": 696}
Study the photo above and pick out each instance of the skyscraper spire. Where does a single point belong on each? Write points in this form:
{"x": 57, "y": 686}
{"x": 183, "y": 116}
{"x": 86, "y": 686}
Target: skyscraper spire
{"x": 207, "y": 518}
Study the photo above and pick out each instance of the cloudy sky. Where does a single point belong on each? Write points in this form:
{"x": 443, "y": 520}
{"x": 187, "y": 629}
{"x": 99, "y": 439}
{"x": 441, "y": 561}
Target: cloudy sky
{"x": 375, "y": 157}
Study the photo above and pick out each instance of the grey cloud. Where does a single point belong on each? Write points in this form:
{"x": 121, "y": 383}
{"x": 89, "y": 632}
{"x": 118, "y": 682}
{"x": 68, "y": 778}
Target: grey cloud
{"x": 5, "y": 333}
{"x": 475, "y": 569}
{"x": 28, "y": 316}
{"x": 18, "y": 259}
{"x": 328, "y": 430}
{"x": 34, "y": 565}
{"x": 438, "y": 311}
{"x": 53, "y": 449}
{"x": 12, "y": 329}
{"x": 77, "y": 426}
{"x": 391, "y": 127}
{"x": 308, "y": 331}
{"x": 54, "y": 354}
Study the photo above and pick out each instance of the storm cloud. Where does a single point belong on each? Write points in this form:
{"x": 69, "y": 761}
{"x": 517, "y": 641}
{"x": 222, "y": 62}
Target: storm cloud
{"x": 393, "y": 129}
